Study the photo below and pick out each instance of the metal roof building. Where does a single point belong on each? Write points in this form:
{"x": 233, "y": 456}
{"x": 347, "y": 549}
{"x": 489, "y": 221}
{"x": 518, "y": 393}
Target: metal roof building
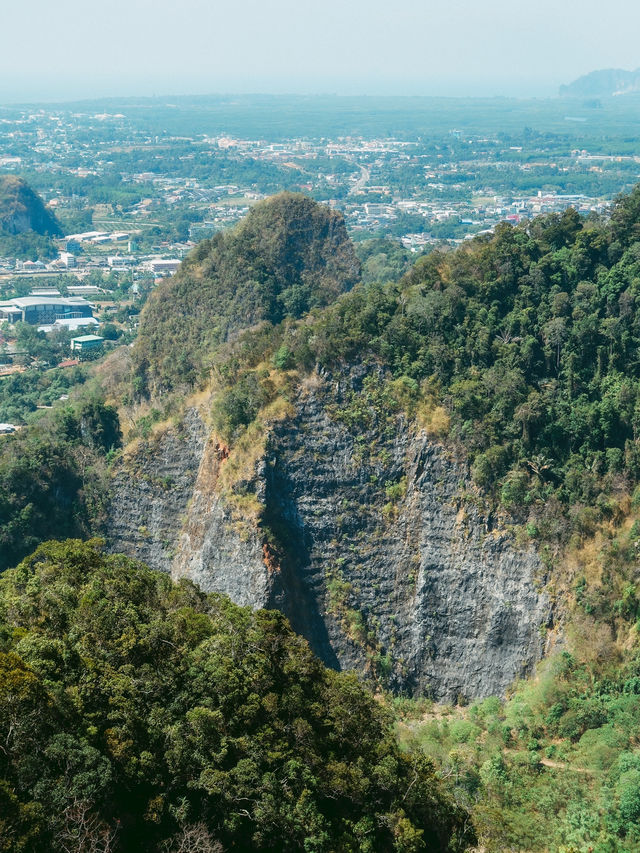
{"x": 42, "y": 310}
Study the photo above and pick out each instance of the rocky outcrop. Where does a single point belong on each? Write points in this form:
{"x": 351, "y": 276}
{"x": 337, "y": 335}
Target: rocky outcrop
{"x": 401, "y": 572}
{"x": 21, "y": 209}
{"x": 369, "y": 540}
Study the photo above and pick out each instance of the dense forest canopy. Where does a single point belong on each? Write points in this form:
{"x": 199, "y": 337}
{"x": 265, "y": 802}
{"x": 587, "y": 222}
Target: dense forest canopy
{"x": 53, "y": 477}
{"x": 140, "y": 715}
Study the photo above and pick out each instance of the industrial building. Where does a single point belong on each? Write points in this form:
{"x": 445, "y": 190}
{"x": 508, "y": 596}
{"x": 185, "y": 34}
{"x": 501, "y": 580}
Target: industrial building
{"x": 43, "y": 310}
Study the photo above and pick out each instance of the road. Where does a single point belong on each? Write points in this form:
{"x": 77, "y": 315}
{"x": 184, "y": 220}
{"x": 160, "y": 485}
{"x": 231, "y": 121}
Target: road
{"x": 362, "y": 181}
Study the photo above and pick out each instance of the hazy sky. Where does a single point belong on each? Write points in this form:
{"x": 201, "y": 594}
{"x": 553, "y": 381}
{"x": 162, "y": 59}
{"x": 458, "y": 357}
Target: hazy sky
{"x": 75, "y": 48}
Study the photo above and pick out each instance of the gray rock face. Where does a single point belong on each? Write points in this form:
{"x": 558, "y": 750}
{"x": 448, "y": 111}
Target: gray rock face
{"x": 365, "y": 542}
{"x": 210, "y": 550}
{"x": 165, "y": 510}
{"x": 418, "y": 587}
{"x": 150, "y": 495}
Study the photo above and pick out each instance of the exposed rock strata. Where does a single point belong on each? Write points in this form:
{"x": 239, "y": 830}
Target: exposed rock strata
{"x": 150, "y": 494}
{"x": 211, "y": 551}
{"x": 417, "y": 587}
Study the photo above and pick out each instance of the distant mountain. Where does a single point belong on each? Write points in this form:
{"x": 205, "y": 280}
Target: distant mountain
{"x": 611, "y": 81}
{"x": 21, "y": 209}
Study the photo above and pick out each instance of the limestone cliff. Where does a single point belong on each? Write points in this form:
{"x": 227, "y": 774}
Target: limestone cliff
{"x": 369, "y": 539}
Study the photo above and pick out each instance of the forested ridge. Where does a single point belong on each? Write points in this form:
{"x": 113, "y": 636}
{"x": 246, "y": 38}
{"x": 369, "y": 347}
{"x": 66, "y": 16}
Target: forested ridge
{"x": 136, "y": 714}
{"x": 289, "y": 255}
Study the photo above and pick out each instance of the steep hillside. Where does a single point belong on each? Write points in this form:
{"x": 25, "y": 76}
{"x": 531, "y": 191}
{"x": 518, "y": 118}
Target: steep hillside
{"x": 289, "y": 255}
{"x": 402, "y": 471}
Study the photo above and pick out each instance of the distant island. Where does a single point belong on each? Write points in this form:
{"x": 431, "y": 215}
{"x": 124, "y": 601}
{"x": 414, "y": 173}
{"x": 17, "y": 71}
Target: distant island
{"x": 610, "y": 81}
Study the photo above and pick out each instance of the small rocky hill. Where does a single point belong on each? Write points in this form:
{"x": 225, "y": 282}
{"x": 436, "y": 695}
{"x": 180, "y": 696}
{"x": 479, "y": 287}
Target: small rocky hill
{"x": 22, "y": 210}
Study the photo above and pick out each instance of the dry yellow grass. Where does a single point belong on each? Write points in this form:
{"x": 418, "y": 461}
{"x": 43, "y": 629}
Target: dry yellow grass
{"x": 439, "y": 423}
{"x": 200, "y": 400}
{"x": 591, "y": 641}
{"x": 310, "y": 382}
{"x": 160, "y": 429}
{"x": 244, "y": 457}
{"x": 433, "y": 419}
{"x": 131, "y": 449}
{"x": 277, "y": 410}
{"x": 585, "y": 560}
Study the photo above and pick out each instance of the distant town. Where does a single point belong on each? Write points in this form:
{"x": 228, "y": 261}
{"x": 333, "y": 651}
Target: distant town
{"x": 133, "y": 201}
